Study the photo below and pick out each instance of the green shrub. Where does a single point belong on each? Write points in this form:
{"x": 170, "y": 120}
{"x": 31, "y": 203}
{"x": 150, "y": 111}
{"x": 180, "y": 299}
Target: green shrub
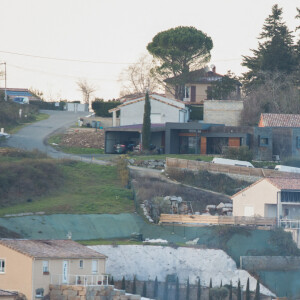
{"x": 239, "y": 153}
{"x": 102, "y": 107}
{"x": 293, "y": 162}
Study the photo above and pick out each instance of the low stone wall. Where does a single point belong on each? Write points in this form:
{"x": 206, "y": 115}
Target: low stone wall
{"x": 270, "y": 263}
{"x": 72, "y": 292}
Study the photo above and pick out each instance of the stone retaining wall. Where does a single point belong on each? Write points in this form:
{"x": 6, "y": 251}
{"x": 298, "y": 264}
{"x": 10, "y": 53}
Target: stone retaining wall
{"x": 72, "y": 292}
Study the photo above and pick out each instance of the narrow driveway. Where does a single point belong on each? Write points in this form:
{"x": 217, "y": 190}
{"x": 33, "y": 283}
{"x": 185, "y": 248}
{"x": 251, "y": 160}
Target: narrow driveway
{"x": 34, "y": 135}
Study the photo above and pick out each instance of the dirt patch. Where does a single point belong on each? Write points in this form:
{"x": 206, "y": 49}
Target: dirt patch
{"x": 83, "y": 138}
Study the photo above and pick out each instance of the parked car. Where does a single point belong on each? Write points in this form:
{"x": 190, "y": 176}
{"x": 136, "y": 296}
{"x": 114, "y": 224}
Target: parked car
{"x": 4, "y": 135}
{"x": 121, "y": 148}
{"x": 232, "y": 162}
{"x": 21, "y": 100}
{"x": 282, "y": 168}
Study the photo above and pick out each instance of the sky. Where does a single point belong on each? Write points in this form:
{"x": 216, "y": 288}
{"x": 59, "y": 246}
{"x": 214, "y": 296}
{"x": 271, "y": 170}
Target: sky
{"x": 96, "y": 39}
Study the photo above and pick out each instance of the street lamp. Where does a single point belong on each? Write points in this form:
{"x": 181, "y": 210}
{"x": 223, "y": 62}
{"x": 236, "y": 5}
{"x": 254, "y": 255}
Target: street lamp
{"x": 5, "y": 94}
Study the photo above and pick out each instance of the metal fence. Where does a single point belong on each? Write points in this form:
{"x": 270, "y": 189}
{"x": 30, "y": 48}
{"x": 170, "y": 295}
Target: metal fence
{"x": 83, "y": 280}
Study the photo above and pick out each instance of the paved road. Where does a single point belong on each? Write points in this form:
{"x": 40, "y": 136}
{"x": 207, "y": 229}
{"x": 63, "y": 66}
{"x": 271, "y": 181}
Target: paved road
{"x": 34, "y": 135}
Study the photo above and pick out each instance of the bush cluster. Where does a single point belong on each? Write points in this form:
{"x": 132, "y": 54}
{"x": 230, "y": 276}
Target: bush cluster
{"x": 239, "y": 153}
{"x": 102, "y": 107}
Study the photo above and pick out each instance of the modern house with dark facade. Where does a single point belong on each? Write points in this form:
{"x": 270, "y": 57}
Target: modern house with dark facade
{"x": 195, "y": 138}
{"x": 285, "y": 131}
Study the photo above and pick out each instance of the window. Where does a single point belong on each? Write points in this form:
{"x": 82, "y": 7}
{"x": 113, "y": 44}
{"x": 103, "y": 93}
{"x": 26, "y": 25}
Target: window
{"x": 81, "y": 264}
{"x": 94, "y": 266}
{"x": 264, "y": 141}
{"x": 2, "y": 266}
{"x": 187, "y": 92}
{"x": 46, "y": 267}
{"x": 39, "y": 293}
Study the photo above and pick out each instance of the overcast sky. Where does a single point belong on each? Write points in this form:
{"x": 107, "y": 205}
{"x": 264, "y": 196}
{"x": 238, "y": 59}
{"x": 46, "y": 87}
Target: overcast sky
{"x": 113, "y": 33}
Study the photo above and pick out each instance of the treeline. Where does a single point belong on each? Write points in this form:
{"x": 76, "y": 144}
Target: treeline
{"x": 102, "y": 107}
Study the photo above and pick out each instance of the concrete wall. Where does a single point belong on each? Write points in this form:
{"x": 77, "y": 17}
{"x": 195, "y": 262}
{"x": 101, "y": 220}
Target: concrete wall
{"x": 18, "y": 272}
{"x": 160, "y": 113}
{"x": 255, "y": 199}
{"x": 226, "y": 112}
{"x": 270, "y": 263}
{"x": 41, "y": 280}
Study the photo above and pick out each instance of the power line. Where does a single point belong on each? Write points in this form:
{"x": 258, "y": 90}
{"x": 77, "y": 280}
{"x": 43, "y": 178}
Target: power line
{"x": 66, "y": 59}
{"x": 57, "y": 74}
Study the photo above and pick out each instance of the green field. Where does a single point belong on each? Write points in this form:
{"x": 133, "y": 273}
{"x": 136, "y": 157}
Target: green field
{"x": 85, "y": 188}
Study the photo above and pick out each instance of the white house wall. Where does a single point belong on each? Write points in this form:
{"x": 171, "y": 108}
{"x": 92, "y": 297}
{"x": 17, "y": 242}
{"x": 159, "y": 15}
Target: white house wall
{"x": 162, "y": 113}
{"x": 255, "y": 198}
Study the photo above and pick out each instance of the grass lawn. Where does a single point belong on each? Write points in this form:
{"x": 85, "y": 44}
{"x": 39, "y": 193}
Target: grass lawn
{"x": 14, "y": 129}
{"x": 54, "y": 141}
{"x": 87, "y": 189}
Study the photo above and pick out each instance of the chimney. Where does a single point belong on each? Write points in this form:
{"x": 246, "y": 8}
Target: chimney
{"x": 214, "y": 69}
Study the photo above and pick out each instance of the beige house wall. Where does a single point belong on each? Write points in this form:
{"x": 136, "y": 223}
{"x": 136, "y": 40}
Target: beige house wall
{"x": 200, "y": 91}
{"x": 226, "y": 112}
{"x": 56, "y": 269}
{"x": 18, "y": 272}
{"x": 256, "y": 197}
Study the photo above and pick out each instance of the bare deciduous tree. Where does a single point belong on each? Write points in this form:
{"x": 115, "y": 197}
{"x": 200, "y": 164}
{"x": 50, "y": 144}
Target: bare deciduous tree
{"x": 87, "y": 89}
{"x": 278, "y": 94}
{"x": 139, "y": 77}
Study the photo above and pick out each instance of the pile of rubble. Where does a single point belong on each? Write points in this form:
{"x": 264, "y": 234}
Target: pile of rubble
{"x": 83, "y": 138}
{"x": 220, "y": 209}
{"x": 151, "y": 163}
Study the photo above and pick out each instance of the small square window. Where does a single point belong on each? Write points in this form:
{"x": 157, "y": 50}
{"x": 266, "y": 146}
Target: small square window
{"x": 2, "y": 266}
{"x": 264, "y": 141}
{"x": 81, "y": 264}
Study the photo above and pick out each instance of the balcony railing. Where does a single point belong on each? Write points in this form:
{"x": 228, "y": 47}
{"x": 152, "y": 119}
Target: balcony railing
{"x": 84, "y": 280}
{"x": 289, "y": 223}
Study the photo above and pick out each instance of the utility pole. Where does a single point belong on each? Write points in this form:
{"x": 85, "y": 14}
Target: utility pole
{"x": 4, "y": 63}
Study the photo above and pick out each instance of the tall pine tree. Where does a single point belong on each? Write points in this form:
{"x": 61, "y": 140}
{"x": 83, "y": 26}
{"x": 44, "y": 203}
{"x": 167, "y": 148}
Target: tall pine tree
{"x": 177, "y": 289}
{"x": 257, "y": 291}
{"x": 146, "y": 131}
{"x": 275, "y": 53}
{"x": 134, "y": 285}
{"x": 155, "y": 290}
{"x": 188, "y": 289}
{"x": 248, "y": 297}
{"x": 123, "y": 286}
{"x": 239, "y": 291}
{"x": 230, "y": 291}
{"x": 198, "y": 289}
{"x": 144, "y": 293}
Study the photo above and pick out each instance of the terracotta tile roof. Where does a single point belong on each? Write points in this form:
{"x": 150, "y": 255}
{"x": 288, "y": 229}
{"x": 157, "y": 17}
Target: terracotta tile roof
{"x": 51, "y": 248}
{"x": 7, "y": 293}
{"x": 280, "y": 120}
{"x": 285, "y": 183}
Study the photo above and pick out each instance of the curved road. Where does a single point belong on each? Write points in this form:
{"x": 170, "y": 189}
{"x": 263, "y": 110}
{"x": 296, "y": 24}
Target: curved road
{"x": 34, "y": 135}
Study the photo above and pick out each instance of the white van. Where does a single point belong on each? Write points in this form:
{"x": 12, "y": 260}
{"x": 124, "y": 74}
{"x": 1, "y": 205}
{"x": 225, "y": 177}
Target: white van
{"x": 287, "y": 169}
{"x": 232, "y": 162}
